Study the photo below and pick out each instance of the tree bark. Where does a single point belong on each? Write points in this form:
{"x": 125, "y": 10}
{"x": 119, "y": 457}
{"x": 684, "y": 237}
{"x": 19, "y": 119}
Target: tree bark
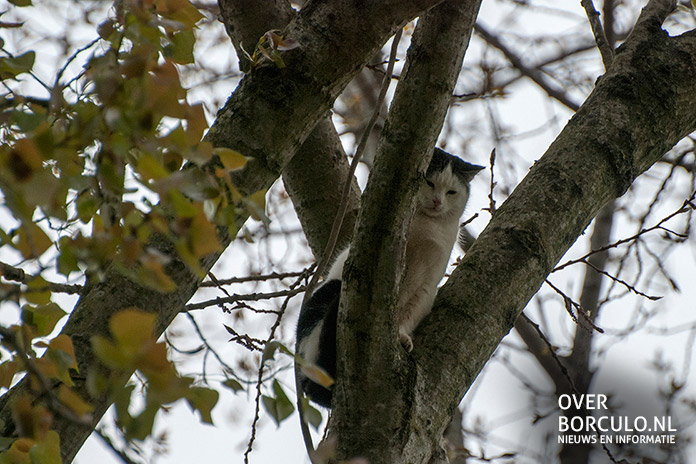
{"x": 315, "y": 175}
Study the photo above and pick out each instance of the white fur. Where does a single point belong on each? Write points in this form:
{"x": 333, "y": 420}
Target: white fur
{"x": 430, "y": 239}
{"x": 309, "y": 346}
{"x": 336, "y": 270}
{"x": 429, "y": 244}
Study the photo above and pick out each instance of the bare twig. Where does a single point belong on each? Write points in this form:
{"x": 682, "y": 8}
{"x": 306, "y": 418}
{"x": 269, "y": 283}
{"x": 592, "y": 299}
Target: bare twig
{"x": 259, "y": 379}
{"x": 628, "y": 286}
{"x": 491, "y": 200}
{"x": 569, "y": 304}
{"x": 685, "y": 207}
{"x": 603, "y": 45}
{"x": 566, "y": 374}
{"x": 532, "y": 73}
{"x": 16, "y": 274}
{"x": 219, "y": 301}
{"x": 251, "y": 278}
{"x": 109, "y": 444}
{"x": 338, "y": 221}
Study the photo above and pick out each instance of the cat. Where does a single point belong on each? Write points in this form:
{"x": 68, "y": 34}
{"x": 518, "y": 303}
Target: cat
{"x": 432, "y": 233}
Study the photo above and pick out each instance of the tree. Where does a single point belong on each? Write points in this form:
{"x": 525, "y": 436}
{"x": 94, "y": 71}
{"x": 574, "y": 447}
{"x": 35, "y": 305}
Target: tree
{"x": 639, "y": 109}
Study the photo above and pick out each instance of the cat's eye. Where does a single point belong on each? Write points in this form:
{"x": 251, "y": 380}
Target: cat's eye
{"x": 451, "y": 192}
{"x": 430, "y": 184}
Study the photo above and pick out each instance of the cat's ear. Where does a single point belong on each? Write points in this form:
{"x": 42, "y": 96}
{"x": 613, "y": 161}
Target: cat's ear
{"x": 468, "y": 170}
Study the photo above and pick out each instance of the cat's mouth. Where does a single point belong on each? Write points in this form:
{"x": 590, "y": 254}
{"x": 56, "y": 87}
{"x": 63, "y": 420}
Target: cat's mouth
{"x": 433, "y": 210}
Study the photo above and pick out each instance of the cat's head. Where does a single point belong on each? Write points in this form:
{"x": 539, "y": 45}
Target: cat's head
{"x": 446, "y": 188}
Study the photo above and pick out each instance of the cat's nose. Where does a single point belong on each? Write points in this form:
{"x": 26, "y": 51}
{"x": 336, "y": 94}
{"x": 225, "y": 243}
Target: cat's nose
{"x": 437, "y": 202}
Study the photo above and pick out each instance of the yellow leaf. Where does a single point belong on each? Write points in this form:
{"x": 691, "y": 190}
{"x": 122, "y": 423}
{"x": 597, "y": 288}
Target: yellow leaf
{"x": 203, "y": 236}
{"x": 70, "y": 399}
{"x": 38, "y": 292}
{"x": 154, "y": 276}
{"x": 179, "y": 10}
{"x": 132, "y": 329}
{"x": 33, "y": 241}
{"x": 111, "y": 355}
{"x": 317, "y": 375}
{"x": 46, "y": 367}
{"x": 231, "y": 159}
{"x": 8, "y": 369}
{"x": 32, "y": 422}
{"x": 19, "y": 451}
{"x": 64, "y": 343}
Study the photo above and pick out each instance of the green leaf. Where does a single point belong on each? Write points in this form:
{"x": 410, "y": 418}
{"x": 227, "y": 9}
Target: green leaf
{"x": 233, "y": 385}
{"x": 180, "y": 50}
{"x": 279, "y": 407}
{"x": 87, "y": 207}
{"x": 27, "y": 120}
{"x": 122, "y": 399}
{"x": 38, "y": 291}
{"x": 47, "y": 451}
{"x": 311, "y": 414}
{"x": 12, "y": 66}
{"x": 44, "y": 317}
{"x": 20, "y": 2}
{"x": 203, "y": 400}
{"x": 271, "y": 348}
{"x": 33, "y": 241}
{"x": 5, "y": 443}
{"x": 140, "y": 426}
{"x": 67, "y": 261}
{"x": 256, "y": 206}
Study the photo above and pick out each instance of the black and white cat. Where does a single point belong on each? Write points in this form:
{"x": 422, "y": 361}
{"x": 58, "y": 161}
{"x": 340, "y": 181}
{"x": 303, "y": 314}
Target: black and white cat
{"x": 433, "y": 231}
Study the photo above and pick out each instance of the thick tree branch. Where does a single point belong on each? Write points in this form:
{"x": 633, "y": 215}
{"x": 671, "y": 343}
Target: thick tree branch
{"x": 314, "y": 176}
{"x": 273, "y": 110}
{"x": 639, "y": 109}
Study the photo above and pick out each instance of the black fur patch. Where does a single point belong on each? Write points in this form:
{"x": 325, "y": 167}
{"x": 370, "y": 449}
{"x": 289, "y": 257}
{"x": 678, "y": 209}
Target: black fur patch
{"x": 322, "y": 307}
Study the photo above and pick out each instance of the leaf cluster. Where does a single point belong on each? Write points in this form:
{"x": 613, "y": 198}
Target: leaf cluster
{"x": 92, "y": 172}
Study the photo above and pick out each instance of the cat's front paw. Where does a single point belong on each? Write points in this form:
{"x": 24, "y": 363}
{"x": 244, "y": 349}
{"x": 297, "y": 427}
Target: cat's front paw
{"x": 406, "y": 341}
